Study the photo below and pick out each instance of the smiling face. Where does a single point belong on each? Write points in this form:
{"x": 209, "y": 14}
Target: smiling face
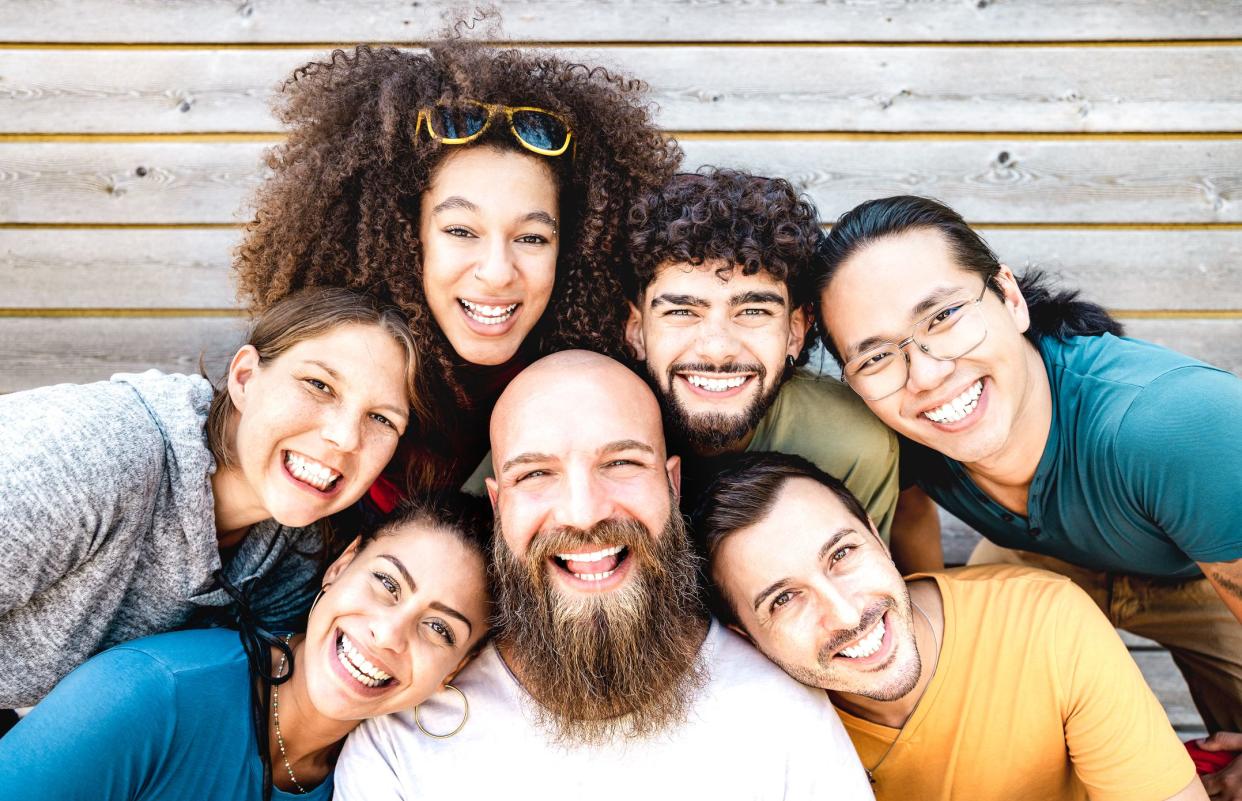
{"x": 488, "y": 226}
{"x": 828, "y": 605}
{"x": 715, "y": 346}
{"x": 396, "y": 617}
{"x": 317, "y": 424}
{"x": 969, "y": 408}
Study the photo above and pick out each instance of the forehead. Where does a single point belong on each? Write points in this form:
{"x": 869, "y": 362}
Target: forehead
{"x": 580, "y": 413}
{"x": 358, "y": 350}
{"x": 475, "y": 172}
{"x": 715, "y": 281}
{"x": 436, "y": 559}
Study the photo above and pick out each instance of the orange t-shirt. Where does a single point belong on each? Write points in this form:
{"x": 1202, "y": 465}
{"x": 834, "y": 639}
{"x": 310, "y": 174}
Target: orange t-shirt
{"x": 1035, "y": 697}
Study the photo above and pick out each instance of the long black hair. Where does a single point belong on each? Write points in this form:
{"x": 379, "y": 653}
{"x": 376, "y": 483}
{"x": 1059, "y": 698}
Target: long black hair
{"x": 1054, "y": 312}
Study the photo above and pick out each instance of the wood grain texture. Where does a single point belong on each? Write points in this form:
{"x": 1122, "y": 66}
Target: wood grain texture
{"x": 1048, "y": 89}
{"x": 122, "y": 268}
{"x": 613, "y": 20}
{"x": 1005, "y": 179}
{"x": 39, "y": 351}
{"x": 189, "y": 268}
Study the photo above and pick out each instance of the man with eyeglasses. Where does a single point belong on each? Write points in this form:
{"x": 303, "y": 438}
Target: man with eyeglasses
{"x": 720, "y": 317}
{"x": 1027, "y": 415}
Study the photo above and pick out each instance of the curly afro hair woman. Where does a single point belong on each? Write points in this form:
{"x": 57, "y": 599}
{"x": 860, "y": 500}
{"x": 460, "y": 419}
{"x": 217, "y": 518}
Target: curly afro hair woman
{"x": 344, "y": 206}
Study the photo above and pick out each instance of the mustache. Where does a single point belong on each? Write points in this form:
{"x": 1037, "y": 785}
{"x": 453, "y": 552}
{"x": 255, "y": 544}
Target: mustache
{"x": 631, "y": 534}
{"x": 869, "y": 616}
{"x": 731, "y": 367}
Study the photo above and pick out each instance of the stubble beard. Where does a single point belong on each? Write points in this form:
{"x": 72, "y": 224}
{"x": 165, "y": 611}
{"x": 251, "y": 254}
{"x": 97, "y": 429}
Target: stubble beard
{"x": 620, "y": 664}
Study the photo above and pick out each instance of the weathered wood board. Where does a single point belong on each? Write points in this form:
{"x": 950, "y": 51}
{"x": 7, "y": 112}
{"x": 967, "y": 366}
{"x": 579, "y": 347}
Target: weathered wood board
{"x": 619, "y": 20}
{"x": 987, "y": 179}
{"x": 1184, "y": 269}
{"x": 857, "y": 88}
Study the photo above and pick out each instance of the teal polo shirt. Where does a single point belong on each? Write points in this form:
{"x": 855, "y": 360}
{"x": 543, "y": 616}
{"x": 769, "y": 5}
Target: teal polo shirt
{"x": 1142, "y": 471}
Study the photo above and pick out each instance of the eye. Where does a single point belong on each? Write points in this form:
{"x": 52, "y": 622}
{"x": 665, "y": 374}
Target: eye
{"x": 459, "y": 232}
{"x": 944, "y": 315}
{"x": 442, "y": 629}
{"x": 388, "y": 583}
{"x": 382, "y": 420}
{"x": 320, "y": 387}
{"x": 780, "y": 600}
{"x": 532, "y": 474}
{"x": 873, "y": 362}
{"x": 678, "y": 313}
{"x": 533, "y": 239}
{"x": 841, "y": 553}
{"x": 756, "y": 313}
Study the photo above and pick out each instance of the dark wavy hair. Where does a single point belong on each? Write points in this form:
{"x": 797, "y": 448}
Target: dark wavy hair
{"x": 341, "y": 207}
{"x": 748, "y": 222}
{"x": 1054, "y": 312}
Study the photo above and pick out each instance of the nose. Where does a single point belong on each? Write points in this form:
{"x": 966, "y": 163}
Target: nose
{"x": 583, "y": 502}
{"x": 925, "y": 372}
{"x": 716, "y": 342}
{"x": 838, "y": 610}
{"x": 389, "y": 630}
{"x": 342, "y": 429}
{"x": 496, "y": 270}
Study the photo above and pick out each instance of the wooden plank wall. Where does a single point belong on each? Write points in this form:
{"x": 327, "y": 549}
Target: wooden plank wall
{"x": 1099, "y": 138}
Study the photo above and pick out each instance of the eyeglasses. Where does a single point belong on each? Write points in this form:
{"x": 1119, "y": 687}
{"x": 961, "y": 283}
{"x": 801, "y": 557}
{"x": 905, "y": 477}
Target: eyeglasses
{"x": 464, "y": 121}
{"x": 946, "y": 334}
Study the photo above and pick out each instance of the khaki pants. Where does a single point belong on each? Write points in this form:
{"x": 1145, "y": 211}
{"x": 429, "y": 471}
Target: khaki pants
{"x": 1187, "y": 617}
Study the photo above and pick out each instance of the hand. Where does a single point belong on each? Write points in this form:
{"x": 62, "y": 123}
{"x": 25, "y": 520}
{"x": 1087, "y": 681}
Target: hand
{"x": 1225, "y": 784}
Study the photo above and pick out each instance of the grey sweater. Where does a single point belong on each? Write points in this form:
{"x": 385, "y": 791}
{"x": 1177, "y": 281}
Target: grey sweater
{"x": 107, "y": 527}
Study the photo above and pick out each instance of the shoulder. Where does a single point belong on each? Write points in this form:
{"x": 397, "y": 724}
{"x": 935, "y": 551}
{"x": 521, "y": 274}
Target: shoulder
{"x": 1098, "y": 362}
{"x": 1012, "y": 597}
{"x": 738, "y": 670}
{"x": 808, "y": 403}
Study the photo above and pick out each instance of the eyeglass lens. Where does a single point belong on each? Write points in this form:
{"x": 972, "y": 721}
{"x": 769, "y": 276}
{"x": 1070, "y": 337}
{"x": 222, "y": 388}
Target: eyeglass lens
{"x": 539, "y": 129}
{"x": 458, "y": 122}
{"x": 948, "y": 334}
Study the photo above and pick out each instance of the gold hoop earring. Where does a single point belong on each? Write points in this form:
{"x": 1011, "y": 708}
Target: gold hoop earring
{"x": 318, "y": 595}
{"x": 465, "y": 716}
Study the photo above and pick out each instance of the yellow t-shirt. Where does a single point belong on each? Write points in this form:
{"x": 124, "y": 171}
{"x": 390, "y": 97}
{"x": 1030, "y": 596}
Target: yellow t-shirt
{"x": 1035, "y": 697}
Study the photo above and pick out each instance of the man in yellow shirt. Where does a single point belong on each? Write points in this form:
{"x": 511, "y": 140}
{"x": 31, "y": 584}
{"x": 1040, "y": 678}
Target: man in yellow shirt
{"x": 990, "y": 682}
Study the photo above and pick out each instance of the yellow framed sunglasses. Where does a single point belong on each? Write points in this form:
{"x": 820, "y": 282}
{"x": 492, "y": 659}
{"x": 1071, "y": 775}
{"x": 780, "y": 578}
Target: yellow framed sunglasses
{"x": 538, "y": 130}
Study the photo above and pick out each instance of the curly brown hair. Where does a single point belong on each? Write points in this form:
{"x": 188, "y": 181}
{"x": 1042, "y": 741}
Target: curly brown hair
{"x": 341, "y": 207}
{"x": 729, "y": 216}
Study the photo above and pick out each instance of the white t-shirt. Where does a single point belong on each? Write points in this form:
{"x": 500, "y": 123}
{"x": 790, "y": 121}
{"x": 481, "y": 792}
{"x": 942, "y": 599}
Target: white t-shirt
{"x": 753, "y": 733}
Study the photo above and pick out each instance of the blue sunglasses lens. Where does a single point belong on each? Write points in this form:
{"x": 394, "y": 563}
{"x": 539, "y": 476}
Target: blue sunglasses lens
{"x": 458, "y": 122}
{"x": 540, "y": 130}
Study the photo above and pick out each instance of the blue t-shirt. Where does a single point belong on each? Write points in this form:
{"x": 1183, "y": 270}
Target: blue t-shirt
{"x": 1142, "y": 468}
{"x": 164, "y": 717}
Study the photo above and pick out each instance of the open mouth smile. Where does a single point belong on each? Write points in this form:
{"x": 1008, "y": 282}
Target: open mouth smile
{"x": 719, "y": 386}
{"x": 593, "y": 568}
{"x": 361, "y": 669}
{"x": 959, "y": 408}
{"x": 313, "y": 474}
{"x": 868, "y": 645}
{"x": 487, "y": 314}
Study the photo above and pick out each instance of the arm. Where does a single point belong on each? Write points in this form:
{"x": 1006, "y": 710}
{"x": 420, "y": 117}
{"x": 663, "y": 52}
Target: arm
{"x": 1191, "y": 792}
{"x": 1226, "y": 783}
{"x": 915, "y": 540}
{"x": 1226, "y": 577}
{"x": 100, "y": 734}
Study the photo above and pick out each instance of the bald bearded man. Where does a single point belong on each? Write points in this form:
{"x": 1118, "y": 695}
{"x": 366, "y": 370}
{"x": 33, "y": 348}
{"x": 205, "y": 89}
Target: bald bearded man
{"x": 606, "y": 678}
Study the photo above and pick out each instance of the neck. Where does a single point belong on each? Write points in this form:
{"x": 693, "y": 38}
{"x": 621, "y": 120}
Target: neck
{"x": 237, "y": 508}
{"x": 1012, "y": 467}
{"x": 894, "y": 714}
{"x": 312, "y": 740}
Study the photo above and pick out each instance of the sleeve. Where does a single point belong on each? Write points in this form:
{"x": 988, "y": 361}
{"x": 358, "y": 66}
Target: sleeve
{"x": 821, "y": 761}
{"x": 64, "y": 488}
{"x": 1118, "y": 737}
{"x": 101, "y": 734}
{"x": 1180, "y": 449}
{"x": 365, "y": 768}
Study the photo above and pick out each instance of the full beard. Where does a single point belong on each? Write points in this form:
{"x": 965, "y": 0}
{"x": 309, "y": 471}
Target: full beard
{"x": 712, "y": 432}
{"x": 621, "y": 663}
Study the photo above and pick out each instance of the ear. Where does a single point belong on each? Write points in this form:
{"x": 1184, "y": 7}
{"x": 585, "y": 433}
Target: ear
{"x": 492, "y": 490}
{"x": 343, "y": 561}
{"x": 1015, "y": 303}
{"x": 241, "y": 369}
{"x": 465, "y": 660}
{"x": 799, "y": 319}
{"x": 673, "y": 468}
{"x": 634, "y": 332}
{"x": 741, "y": 632}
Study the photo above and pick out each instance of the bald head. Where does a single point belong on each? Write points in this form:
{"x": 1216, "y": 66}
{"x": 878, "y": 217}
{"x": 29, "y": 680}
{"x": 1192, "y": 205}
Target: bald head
{"x": 585, "y": 433}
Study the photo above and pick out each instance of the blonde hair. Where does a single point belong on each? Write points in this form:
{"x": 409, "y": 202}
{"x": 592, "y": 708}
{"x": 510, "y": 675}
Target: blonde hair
{"x": 305, "y": 315}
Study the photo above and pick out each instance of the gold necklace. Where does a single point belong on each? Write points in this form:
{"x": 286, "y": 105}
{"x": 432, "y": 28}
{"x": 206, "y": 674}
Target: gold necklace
{"x": 871, "y": 770}
{"x": 276, "y": 720}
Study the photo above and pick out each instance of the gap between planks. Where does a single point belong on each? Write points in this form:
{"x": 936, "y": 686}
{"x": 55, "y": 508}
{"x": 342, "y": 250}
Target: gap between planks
{"x": 626, "y": 43}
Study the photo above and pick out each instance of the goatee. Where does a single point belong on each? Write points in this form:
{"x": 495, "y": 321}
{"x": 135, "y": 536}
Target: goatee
{"x": 712, "y": 432}
{"x": 619, "y": 663}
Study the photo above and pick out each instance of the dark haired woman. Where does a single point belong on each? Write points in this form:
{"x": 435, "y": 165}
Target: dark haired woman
{"x": 483, "y": 192}
{"x": 192, "y": 714}
{"x": 121, "y": 500}
{"x": 1112, "y": 460}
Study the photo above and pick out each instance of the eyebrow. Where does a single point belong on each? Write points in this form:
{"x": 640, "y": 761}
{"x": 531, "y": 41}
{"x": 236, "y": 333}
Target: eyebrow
{"x": 541, "y": 216}
{"x": 451, "y": 612}
{"x": 627, "y": 445}
{"x": 678, "y": 300}
{"x": 824, "y": 550}
{"x": 526, "y": 458}
{"x": 325, "y": 368}
{"x": 757, "y": 296}
{"x": 612, "y": 447}
{"x": 929, "y": 302}
{"x": 454, "y": 202}
{"x": 395, "y": 411}
{"x": 409, "y": 580}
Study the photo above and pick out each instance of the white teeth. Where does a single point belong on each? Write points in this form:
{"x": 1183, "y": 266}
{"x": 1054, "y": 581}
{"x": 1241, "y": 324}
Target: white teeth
{"x": 589, "y": 557}
{"x": 358, "y": 665}
{"x": 306, "y": 469}
{"x": 957, "y": 408}
{"x": 867, "y": 645}
{"x": 594, "y": 576}
{"x": 487, "y": 315}
{"x": 716, "y": 384}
